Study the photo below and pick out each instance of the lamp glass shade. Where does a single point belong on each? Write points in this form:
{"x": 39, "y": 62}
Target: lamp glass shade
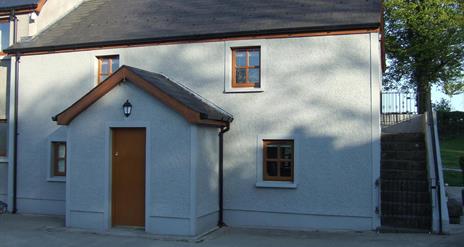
{"x": 127, "y": 108}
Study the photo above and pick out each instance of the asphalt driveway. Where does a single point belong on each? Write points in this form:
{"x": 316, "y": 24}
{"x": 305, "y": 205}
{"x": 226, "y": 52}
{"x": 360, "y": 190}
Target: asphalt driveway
{"x": 18, "y": 230}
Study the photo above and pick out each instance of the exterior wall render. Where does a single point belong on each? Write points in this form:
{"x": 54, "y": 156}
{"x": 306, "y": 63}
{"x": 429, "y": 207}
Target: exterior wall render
{"x": 319, "y": 89}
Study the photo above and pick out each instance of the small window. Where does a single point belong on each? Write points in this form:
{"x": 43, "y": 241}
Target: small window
{"x": 4, "y": 35}
{"x": 278, "y": 160}
{"x": 58, "y": 159}
{"x": 106, "y": 66}
{"x": 246, "y": 67}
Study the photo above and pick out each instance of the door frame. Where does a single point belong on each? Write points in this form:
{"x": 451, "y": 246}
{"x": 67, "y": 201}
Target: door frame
{"x": 108, "y": 167}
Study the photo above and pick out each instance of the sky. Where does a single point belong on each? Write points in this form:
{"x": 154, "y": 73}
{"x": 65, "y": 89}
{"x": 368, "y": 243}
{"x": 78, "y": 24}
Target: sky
{"x": 457, "y": 101}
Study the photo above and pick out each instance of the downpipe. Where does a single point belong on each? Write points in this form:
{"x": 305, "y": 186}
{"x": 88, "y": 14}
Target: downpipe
{"x": 221, "y": 175}
{"x": 15, "y": 116}
{"x": 15, "y": 140}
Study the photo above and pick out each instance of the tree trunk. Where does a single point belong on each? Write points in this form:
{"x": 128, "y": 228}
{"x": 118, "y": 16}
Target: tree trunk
{"x": 423, "y": 96}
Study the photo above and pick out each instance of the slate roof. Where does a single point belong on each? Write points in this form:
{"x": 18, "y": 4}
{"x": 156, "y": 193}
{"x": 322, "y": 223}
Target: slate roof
{"x": 184, "y": 95}
{"x": 17, "y": 4}
{"x": 118, "y": 22}
{"x": 205, "y": 109}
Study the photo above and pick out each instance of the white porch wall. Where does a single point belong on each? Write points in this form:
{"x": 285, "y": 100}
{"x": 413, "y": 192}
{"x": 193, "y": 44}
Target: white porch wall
{"x": 168, "y": 167}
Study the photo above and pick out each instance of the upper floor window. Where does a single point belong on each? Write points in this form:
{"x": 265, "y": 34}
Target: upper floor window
{"x": 107, "y": 65}
{"x": 278, "y": 160}
{"x": 246, "y": 67}
{"x": 4, "y": 35}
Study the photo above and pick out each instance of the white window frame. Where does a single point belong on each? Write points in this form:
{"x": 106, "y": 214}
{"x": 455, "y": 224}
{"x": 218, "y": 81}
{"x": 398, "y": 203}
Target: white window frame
{"x": 260, "y": 182}
{"x": 228, "y": 47}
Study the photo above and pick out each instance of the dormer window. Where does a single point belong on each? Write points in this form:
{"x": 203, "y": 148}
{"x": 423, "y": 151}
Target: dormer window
{"x": 107, "y": 65}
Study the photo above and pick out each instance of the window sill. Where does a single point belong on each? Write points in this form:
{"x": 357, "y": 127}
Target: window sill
{"x": 276, "y": 184}
{"x": 244, "y": 90}
{"x": 56, "y": 179}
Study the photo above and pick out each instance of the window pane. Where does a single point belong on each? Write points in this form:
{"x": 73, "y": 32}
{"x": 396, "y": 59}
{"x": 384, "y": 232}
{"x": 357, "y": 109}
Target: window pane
{"x": 240, "y": 58}
{"x": 271, "y": 168}
{"x": 115, "y": 64}
{"x": 254, "y": 58}
{"x": 286, "y": 152}
{"x": 105, "y": 66}
{"x": 285, "y": 169}
{"x": 3, "y": 138}
{"x": 103, "y": 77}
{"x": 5, "y": 35}
{"x": 61, "y": 151}
{"x": 61, "y": 166}
{"x": 253, "y": 75}
{"x": 240, "y": 75}
{"x": 272, "y": 151}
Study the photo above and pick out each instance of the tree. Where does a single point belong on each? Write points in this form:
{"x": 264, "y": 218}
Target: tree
{"x": 424, "y": 42}
{"x": 452, "y": 89}
{"x": 442, "y": 106}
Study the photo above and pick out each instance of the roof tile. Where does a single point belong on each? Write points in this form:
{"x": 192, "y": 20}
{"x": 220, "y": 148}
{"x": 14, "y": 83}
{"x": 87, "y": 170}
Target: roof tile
{"x": 121, "y": 21}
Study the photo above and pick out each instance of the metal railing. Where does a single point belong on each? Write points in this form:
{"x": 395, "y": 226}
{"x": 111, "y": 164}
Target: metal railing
{"x": 398, "y": 103}
{"x": 397, "y": 107}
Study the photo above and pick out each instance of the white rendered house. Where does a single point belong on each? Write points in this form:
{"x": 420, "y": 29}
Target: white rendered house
{"x": 257, "y": 114}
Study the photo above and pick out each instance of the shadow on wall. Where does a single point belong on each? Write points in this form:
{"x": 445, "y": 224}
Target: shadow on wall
{"x": 331, "y": 180}
{"x": 322, "y": 97}
{"x": 38, "y": 102}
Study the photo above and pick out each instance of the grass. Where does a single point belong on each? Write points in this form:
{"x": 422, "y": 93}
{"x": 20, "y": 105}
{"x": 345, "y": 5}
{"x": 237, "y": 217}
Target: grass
{"x": 451, "y": 149}
{"x": 453, "y": 178}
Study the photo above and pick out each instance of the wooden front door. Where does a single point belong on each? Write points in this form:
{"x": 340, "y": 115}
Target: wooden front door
{"x": 128, "y": 177}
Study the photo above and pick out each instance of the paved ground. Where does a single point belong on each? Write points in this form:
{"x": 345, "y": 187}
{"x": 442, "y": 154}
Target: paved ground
{"x": 20, "y": 231}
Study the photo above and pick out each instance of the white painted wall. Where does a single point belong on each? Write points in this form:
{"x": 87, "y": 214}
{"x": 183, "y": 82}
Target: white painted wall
{"x": 319, "y": 89}
{"x": 52, "y": 11}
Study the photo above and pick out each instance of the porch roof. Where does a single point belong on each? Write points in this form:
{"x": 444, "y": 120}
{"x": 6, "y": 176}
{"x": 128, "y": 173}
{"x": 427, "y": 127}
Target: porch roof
{"x": 189, "y": 104}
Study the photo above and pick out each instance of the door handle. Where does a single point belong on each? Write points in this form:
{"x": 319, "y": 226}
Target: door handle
{"x": 116, "y": 154}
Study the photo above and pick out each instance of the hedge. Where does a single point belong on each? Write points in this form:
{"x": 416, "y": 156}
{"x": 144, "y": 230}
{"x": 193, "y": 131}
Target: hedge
{"x": 450, "y": 123}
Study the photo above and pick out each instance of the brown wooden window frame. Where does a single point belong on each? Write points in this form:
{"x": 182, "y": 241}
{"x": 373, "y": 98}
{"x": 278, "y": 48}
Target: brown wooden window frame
{"x": 110, "y": 66}
{"x": 56, "y": 158}
{"x": 279, "y": 160}
{"x": 246, "y": 84}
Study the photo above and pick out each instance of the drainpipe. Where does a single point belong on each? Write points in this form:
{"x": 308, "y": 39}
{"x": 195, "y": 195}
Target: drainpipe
{"x": 15, "y": 116}
{"x": 221, "y": 175}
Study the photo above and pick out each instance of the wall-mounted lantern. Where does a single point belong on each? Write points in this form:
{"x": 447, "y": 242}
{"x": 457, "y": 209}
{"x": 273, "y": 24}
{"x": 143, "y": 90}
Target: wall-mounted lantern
{"x": 127, "y": 108}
